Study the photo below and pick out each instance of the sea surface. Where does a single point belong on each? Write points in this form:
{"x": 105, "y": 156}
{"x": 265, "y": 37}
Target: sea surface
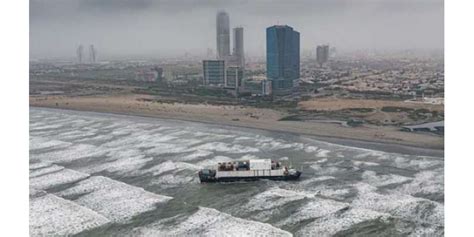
{"x": 94, "y": 174}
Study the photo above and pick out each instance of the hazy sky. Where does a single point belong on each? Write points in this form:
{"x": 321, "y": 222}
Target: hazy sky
{"x": 173, "y": 27}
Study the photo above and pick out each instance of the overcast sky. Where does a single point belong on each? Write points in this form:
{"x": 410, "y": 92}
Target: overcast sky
{"x": 173, "y": 27}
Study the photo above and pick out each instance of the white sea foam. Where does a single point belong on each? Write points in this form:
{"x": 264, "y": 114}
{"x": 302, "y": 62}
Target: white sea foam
{"x": 173, "y": 180}
{"x": 122, "y": 152}
{"x": 208, "y": 136}
{"x": 328, "y": 170}
{"x": 211, "y": 222}
{"x": 121, "y": 132}
{"x": 425, "y": 163}
{"x": 331, "y": 224}
{"x": 273, "y": 145}
{"x": 243, "y": 138}
{"x": 54, "y": 216}
{"x": 45, "y": 170}
{"x": 113, "y": 199}
{"x": 39, "y": 165}
{"x": 140, "y": 139}
{"x": 224, "y": 147}
{"x": 333, "y": 193}
{"x": 298, "y": 146}
{"x": 372, "y": 178}
{"x": 114, "y": 125}
{"x": 418, "y": 164}
{"x": 75, "y": 135}
{"x": 45, "y": 127}
{"x": 195, "y": 154}
{"x": 315, "y": 208}
{"x": 363, "y": 188}
{"x": 49, "y": 180}
{"x": 322, "y": 153}
{"x": 78, "y": 151}
{"x": 249, "y": 157}
{"x": 178, "y": 133}
{"x": 322, "y": 161}
{"x": 129, "y": 165}
{"x": 401, "y": 162}
{"x": 274, "y": 197}
{"x": 364, "y": 163}
{"x": 37, "y": 143}
{"x": 427, "y": 231}
{"x": 36, "y": 192}
{"x": 425, "y": 183}
{"x": 169, "y": 166}
{"x": 213, "y": 162}
{"x": 312, "y": 181}
{"x": 310, "y": 149}
{"x": 403, "y": 206}
{"x": 316, "y": 186}
{"x": 97, "y": 138}
{"x": 370, "y": 153}
{"x": 167, "y": 148}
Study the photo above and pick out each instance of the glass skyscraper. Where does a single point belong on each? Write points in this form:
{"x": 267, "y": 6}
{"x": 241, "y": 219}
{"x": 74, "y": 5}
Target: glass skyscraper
{"x": 283, "y": 58}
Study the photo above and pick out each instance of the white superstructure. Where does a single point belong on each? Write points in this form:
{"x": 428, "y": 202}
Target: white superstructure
{"x": 250, "y": 173}
{"x": 254, "y": 168}
{"x": 264, "y": 164}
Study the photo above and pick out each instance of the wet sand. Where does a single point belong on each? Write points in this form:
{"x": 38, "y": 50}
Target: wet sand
{"x": 374, "y": 137}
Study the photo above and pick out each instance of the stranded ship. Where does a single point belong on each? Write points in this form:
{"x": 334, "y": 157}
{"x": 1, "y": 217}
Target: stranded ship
{"x": 248, "y": 170}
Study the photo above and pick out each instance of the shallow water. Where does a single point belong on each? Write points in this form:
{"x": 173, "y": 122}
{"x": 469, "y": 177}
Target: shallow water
{"x": 113, "y": 175}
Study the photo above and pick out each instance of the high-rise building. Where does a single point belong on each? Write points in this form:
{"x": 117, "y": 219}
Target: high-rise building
{"x": 238, "y": 50}
{"x": 80, "y": 53}
{"x": 222, "y": 35}
{"x": 234, "y": 77}
{"x": 92, "y": 54}
{"x": 283, "y": 58}
{"x": 213, "y": 72}
{"x": 322, "y": 54}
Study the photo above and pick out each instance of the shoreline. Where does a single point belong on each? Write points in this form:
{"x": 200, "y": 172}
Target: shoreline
{"x": 385, "y": 146}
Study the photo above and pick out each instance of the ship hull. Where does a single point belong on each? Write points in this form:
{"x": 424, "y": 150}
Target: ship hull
{"x": 206, "y": 179}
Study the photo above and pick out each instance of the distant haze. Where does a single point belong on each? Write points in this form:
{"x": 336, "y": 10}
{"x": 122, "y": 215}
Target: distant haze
{"x": 165, "y": 28}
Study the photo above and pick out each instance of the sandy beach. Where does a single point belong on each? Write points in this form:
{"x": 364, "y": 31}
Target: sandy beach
{"x": 242, "y": 116}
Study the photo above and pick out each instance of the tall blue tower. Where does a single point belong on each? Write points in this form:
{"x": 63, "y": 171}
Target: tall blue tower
{"x": 283, "y": 58}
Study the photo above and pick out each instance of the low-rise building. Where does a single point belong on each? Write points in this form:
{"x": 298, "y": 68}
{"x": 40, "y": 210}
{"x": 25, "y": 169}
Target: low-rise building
{"x": 234, "y": 77}
{"x": 214, "y": 72}
{"x": 266, "y": 87}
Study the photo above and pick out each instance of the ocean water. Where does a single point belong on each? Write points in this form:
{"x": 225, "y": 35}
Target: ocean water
{"x": 94, "y": 174}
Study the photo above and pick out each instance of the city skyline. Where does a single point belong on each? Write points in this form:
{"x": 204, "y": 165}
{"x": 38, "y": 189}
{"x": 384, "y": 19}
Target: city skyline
{"x": 114, "y": 27}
